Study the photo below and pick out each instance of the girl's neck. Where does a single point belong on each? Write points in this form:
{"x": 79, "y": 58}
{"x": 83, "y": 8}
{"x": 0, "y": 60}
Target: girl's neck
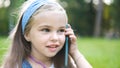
{"x": 42, "y": 59}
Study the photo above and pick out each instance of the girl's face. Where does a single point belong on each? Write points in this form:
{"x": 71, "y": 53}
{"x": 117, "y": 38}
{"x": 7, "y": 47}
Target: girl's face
{"x": 47, "y": 34}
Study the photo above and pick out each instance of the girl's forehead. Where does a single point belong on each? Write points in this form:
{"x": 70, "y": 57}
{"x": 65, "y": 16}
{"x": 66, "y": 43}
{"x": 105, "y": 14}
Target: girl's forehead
{"x": 51, "y": 15}
{"x": 50, "y": 18}
{"x": 48, "y": 13}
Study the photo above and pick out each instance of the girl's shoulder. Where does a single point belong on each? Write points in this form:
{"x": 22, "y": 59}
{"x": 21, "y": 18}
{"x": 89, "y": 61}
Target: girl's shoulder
{"x": 26, "y": 64}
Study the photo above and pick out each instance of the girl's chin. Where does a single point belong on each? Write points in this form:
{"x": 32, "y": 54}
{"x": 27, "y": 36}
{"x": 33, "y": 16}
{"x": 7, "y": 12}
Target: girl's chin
{"x": 51, "y": 55}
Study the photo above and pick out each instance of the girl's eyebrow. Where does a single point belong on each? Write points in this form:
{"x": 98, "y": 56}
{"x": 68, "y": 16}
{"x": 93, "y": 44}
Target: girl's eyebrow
{"x": 44, "y": 26}
{"x": 51, "y": 26}
{"x": 62, "y": 27}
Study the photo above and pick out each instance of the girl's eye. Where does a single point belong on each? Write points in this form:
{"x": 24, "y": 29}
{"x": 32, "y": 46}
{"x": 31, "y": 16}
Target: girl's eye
{"x": 61, "y": 30}
{"x": 45, "y": 30}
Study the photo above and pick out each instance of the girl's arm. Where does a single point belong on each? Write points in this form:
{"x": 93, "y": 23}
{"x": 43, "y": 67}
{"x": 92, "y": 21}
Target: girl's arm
{"x": 78, "y": 58}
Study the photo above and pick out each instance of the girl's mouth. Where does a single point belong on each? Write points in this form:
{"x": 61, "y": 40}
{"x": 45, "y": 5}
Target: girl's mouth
{"x": 52, "y": 47}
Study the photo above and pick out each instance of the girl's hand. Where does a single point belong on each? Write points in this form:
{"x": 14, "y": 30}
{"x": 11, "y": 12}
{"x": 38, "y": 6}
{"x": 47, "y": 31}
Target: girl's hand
{"x": 79, "y": 59}
{"x": 72, "y": 37}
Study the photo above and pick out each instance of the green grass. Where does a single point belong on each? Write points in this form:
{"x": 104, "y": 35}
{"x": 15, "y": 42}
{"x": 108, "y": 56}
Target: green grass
{"x": 100, "y": 52}
{"x": 4, "y": 44}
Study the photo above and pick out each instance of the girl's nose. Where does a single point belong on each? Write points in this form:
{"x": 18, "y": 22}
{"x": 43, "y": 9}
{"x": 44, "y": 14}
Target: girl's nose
{"x": 54, "y": 37}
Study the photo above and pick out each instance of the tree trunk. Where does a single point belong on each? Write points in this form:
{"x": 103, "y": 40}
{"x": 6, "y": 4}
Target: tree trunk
{"x": 98, "y": 21}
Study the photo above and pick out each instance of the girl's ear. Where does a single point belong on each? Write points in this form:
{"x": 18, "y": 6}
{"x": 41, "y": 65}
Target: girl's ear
{"x": 27, "y": 37}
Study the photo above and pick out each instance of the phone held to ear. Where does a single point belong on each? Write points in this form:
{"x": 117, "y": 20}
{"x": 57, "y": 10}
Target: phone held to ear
{"x": 66, "y": 49}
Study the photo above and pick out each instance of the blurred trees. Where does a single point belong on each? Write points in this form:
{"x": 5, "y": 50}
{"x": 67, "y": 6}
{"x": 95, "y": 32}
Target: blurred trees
{"x": 116, "y": 16}
{"x": 3, "y": 19}
{"x": 94, "y": 17}
{"x": 110, "y": 22}
{"x": 7, "y": 17}
{"x": 82, "y": 14}
{"x": 98, "y": 20}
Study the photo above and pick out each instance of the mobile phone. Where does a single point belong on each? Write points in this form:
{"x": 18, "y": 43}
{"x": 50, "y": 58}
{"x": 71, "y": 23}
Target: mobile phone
{"x": 66, "y": 49}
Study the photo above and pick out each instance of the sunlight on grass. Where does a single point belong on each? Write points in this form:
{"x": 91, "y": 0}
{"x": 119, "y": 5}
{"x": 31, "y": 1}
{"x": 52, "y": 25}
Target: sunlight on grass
{"x": 100, "y": 52}
{"x": 4, "y": 44}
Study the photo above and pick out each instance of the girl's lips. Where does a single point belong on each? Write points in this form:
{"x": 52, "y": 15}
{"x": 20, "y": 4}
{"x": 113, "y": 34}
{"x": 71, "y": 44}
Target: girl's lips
{"x": 52, "y": 47}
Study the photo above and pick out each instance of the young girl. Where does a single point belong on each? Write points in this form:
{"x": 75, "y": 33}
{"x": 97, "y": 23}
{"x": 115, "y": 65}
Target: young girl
{"x": 39, "y": 39}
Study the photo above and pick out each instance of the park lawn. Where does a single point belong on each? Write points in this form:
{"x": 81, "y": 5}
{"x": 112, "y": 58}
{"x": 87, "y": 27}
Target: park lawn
{"x": 4, "y": 44}
{"x": 100, "y": 52}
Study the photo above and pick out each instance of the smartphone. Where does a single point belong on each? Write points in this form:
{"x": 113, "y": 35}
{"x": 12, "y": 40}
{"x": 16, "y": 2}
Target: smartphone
{"x": 66, "y": 49}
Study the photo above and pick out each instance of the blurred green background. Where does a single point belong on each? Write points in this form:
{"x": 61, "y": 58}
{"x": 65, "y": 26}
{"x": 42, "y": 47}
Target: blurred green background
{"x": 95, "y": 22}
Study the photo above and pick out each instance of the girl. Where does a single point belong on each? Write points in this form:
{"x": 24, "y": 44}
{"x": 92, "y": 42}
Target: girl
{"x": 39, "y": 39}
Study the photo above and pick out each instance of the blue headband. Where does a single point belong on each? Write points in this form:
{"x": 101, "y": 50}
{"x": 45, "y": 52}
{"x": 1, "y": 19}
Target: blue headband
{"x": 30, "y": 10}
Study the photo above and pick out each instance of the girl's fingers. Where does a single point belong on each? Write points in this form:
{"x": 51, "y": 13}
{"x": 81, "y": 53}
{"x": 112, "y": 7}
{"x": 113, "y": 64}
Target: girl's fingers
{"x": 72, "y": 38}
{"x": 70, "y": 33}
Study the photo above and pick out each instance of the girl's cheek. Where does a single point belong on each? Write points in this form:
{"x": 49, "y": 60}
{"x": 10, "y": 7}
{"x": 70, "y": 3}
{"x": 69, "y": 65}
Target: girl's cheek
{"x": 63, "y": 39}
